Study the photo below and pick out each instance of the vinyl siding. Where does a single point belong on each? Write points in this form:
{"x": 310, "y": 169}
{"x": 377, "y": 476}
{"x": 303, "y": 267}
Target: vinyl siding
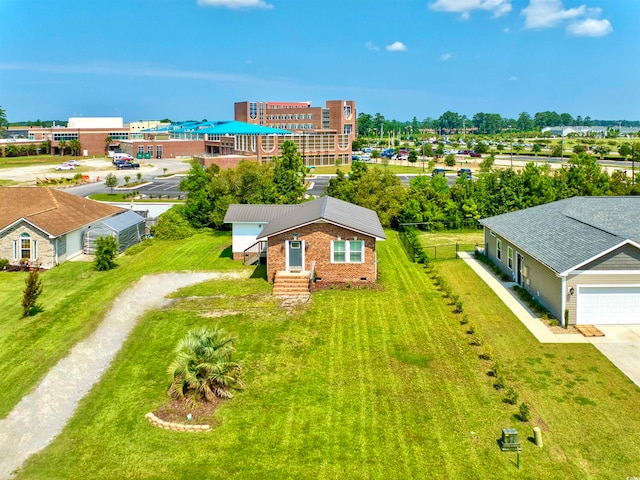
{"x": 543, "y": 284}
{"x": 626, "y": 257}
{"x": 601, "y": 278}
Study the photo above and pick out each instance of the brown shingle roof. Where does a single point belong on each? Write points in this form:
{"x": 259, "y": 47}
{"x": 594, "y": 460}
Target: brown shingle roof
{"x": 54, "y": 211}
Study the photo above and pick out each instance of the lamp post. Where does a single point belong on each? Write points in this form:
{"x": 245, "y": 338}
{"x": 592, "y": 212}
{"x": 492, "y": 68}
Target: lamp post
{"x": 511, "y": 142}
{"x": 561, "y": 143}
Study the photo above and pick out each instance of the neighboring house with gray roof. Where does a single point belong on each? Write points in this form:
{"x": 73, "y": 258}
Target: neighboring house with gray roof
{"x": 337, "y": 238}
{"x": 579, "y": 257}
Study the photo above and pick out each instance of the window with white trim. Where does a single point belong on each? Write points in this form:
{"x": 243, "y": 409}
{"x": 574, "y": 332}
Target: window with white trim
{"x": 25, "y": 246}
{"x": 499, "y": 249}
{"x": 510, "y": 258}
{"x": 347, "y": 251}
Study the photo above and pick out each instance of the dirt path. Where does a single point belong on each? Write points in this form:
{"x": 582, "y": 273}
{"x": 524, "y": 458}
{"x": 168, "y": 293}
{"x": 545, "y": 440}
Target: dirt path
{"x": 41, "y": 415}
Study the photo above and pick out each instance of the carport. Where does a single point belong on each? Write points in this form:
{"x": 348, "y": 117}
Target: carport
{"x": 128, "y": 228}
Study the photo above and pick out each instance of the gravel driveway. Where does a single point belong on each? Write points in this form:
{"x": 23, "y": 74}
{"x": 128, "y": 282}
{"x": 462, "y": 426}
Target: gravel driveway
{"x": 41, "y": 415}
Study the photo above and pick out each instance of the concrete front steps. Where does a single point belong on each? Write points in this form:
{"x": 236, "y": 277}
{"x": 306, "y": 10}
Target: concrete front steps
{"x": 291, "y": 284}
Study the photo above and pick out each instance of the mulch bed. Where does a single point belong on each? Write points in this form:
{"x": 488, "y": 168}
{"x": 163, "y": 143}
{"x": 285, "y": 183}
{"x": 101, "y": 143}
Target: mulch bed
{"x": 177, "y": 411}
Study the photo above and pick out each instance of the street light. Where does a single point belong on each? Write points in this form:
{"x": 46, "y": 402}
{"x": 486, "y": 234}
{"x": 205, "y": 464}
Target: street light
{"x": 511, "y": 142}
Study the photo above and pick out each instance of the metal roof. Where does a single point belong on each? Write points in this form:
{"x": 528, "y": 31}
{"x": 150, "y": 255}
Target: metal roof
{"x": 332, "y": 210}
{"x": 567, "y": 233}
{"x": 124, "y": 221}
{"x": 220, "y": 127}
{"x": 254, "y": 213}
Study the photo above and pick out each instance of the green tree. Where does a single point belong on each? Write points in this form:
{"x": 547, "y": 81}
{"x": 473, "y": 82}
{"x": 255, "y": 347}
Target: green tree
{"x": 556, "y": 150}
{"x": 126, "y": 179}
{"x": 375, "y": 154}
{"x": 111, "y": 181}
{"x": 413, "y": 156}
{"x": 107, "y": 143}
{"x": 75, "y": 146}
{"x": 62, "y": 145}
{"x": 106, "y": 251}
{"x": 536, "y": 149}
{"x": 45, "y": 147}
{"x": 601, "y": 150}
{"x": 288, "y": 175}
{"x": 3, "y": 123}
{"x": 203, "y": 368}
{"x": 31, "y": 292}
{"x": 578, "y": 149}
{"x": 172, "y": 225}
{"x": 450, "y": 160}
{"x": 625, "y": 150}
{"x": 487, "y": 163}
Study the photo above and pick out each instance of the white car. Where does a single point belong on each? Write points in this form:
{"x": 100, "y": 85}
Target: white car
{"x": 65, "y": 166}
{"x": 75, "y": 163}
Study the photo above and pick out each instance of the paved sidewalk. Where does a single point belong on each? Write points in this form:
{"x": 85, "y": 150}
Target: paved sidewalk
{"x": 526, "y": 316}
{"x": 621, "y": 344}
{"x": 41, "y": 415}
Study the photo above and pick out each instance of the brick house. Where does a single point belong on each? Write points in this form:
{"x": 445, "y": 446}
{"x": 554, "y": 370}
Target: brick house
{"x": 333, "y": 240}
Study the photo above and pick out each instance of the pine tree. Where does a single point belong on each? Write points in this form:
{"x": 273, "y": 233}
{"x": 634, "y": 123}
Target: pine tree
{"x": 31, "y": 292}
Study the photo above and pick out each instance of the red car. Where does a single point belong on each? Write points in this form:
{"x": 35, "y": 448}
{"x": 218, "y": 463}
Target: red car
{"x": 475, "y": 154}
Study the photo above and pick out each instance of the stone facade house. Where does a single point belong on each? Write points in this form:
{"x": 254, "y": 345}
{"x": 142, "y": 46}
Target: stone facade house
{"x": 579, "y": 257}
{"x": 333, "y": 240}
{"x": 45, "y": 226}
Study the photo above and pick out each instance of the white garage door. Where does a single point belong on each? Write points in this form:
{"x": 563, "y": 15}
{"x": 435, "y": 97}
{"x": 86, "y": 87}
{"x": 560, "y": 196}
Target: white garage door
{"x": 608, "y": 305}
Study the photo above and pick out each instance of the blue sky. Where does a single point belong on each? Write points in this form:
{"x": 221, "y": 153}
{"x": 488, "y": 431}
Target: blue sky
{"x": 192, "y": 59}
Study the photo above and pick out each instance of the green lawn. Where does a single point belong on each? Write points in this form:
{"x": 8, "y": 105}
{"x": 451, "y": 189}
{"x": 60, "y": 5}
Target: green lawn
{"x": 14, "y": 162}
{"x": 355, "y": 384}
{"x": 75, "y": 298}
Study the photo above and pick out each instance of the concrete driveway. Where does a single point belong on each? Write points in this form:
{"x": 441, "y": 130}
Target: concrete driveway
{"x": 621, "y": 345}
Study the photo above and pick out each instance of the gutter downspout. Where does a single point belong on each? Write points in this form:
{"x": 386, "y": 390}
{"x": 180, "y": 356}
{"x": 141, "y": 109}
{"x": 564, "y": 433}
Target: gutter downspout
{"x": 563, "y": 300}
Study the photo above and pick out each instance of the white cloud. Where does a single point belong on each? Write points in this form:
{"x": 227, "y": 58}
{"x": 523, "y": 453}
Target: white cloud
{"x": 396, "y": 47}
{"x": 371, "y": 46}
{"x": 590, "y": 27}
{"x": 235, "y": 4}
{"x": 580, "y": 21}
{"x": 465, "y": 7}
{"x": 445, "y": 56}
{"x": 512, "y": 78}
{"x": 548, "y": 13}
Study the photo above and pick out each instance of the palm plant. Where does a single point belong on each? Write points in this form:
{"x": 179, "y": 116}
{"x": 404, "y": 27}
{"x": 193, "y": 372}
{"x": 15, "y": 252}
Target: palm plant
{"x": 203, "y": 367}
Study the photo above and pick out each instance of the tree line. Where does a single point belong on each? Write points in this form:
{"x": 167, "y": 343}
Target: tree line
{"x": 430, "y": 200}
{"x": 481, "y": 122}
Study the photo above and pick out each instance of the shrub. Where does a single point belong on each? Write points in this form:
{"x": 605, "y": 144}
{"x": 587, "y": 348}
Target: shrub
{"x": 464, "y": 320}
{"x": 106, "y": 251}
{"x": 459, "y": 306}
{"x": 496, "y": 369}
{"x": 511, "y": 396}
{"x": 472, "y": 329}
{"x": 172, "y": 225}
{"x": 3, "y": 263}
{"x": 500, "y": 382}
{"x": 487, "y": 352}
{"x": 524, "y": 412}
{"x": 455, "y": 298}
{"x": 203, "y": 368}
{"x": 31, "y": 292}
{"x": 477, "y": 340}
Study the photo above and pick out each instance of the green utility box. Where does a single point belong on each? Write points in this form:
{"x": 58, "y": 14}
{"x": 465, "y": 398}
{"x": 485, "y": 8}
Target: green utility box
{"x": 509, "y": 441}
{"x": 147, "y": 155}
{"x": 139, "y": 155}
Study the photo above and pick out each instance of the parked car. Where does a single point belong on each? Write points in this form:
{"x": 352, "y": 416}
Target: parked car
{"x": 121, "y": 164}
{"x": 438, "y": 171}
{"x": 464, "y": 172}
{"x": 65, "y": 166}
{"x": 121, "y": 156}
{"x": 75, "y": 163}
{"x": 475, "y": 154}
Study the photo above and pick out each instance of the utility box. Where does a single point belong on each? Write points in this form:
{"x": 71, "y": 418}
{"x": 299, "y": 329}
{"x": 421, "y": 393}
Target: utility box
{"x": 509, "y": 441}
